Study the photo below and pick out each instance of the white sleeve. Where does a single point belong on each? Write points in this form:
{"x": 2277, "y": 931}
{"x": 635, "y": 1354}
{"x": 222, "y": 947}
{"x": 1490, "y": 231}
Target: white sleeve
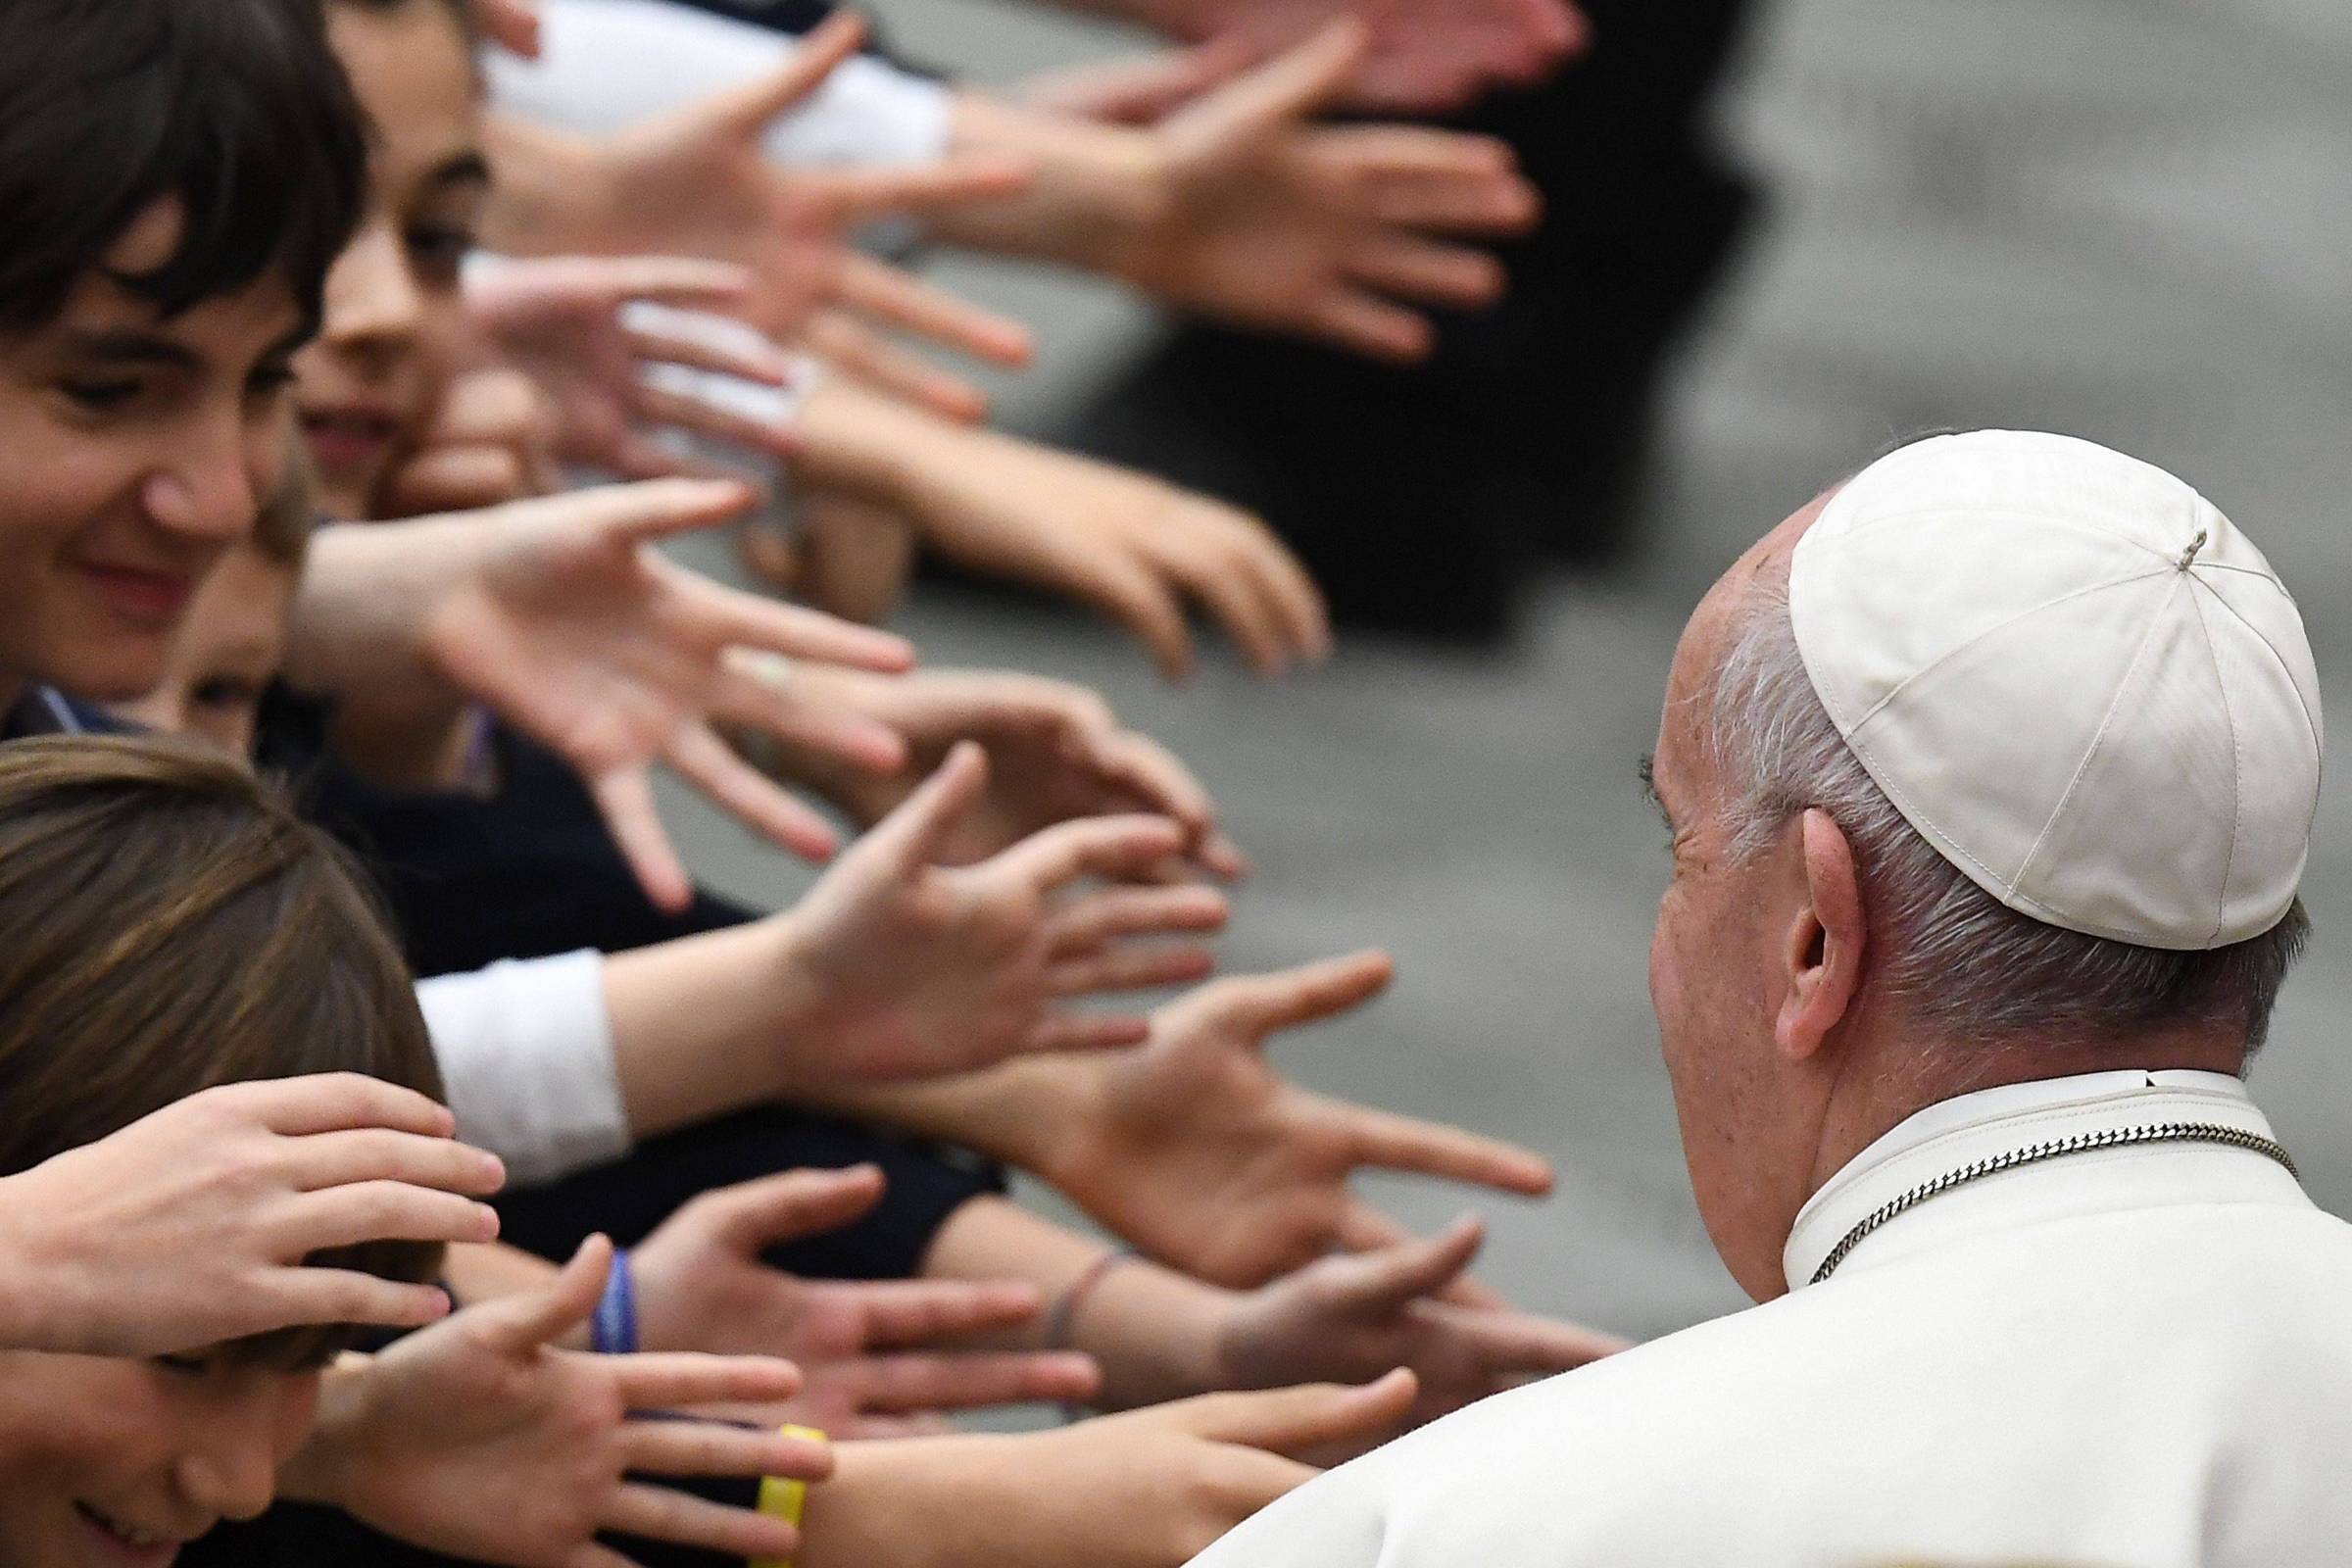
{"x": 606, "y": 63}
{"x": 526, "y": 1053}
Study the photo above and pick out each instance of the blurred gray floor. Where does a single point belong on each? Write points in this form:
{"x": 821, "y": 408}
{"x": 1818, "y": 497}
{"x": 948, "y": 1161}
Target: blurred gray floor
{"x": 2127, "y": 218}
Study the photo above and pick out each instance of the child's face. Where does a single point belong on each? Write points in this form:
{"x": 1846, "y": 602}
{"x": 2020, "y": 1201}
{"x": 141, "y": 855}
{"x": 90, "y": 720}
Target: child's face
{"x": 228, "y": 649}
{"x": 395, "y": 328}
{"x": 116, "y": 1464}
{"x": 137, "y": 452}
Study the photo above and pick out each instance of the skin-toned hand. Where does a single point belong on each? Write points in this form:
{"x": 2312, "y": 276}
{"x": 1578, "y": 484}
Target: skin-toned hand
{"x": 1426, "y": 55}
{"x": 1342, "y": 232}
{"x": 1143, "y": 91}
{"x": 189, "y": 1228}
{"x": 1196, "y": 1150}
{"x": 1346, "y": 1317}
{"x": 1148, "y": 1489}
{"x": 914, "y": 969}
{"x": 560, "y": 320}
{"x": 1136, "y": 549}
{"x": 578, "y": 630}
{"x": 477, "y": 1440}
{"x": 491, "y": 441}
{"x": 698, "y": 182}
{"x": 871, "y": 1354}
{"x": 1056, "y": 753}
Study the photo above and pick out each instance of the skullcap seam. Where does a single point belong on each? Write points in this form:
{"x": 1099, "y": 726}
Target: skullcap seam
{"x": 2238, "y": 773}
{"x": 2098, "y": 738}
{"x": 2319, "y": 744}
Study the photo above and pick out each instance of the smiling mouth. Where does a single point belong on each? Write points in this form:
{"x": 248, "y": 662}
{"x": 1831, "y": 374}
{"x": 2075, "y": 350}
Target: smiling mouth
{"x": 340, "y": 442}
{"x": 132, "y": 1543}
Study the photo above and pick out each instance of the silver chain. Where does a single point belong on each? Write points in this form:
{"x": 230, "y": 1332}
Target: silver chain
{"x": 2168, "y": 1132}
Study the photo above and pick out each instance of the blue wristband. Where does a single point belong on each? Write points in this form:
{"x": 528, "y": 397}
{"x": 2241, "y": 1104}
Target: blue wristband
{"x": 613, "y": 1329}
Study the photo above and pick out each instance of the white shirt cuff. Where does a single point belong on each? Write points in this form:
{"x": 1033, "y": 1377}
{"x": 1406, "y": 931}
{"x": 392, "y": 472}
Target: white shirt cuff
{"x": 526, "y": 1053}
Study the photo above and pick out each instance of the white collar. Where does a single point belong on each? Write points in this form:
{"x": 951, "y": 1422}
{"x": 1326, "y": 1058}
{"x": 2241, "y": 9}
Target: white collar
{"x": 1954, "y": 1133}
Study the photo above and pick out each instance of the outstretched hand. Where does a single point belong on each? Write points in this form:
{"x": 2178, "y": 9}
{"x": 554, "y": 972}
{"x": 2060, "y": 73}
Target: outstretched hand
{"x": 574, "y": 629}
{"x": 477, "y": 1440}
{"x": 1345, "y": 233}
{"x": 698, "y": 182}
{"x": 1345, "y": 1318}
{"x": 1057, "y": 753}
{"x": 916, "y": 969}
{"x": 873, "y": 1356}
{"x": 567, "y": 321}
{"x": 189, "y": 1228}
{"x": 1199, "y": 1151}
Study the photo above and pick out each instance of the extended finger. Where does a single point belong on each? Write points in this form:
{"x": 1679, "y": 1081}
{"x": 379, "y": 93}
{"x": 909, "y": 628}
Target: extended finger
{"x": 1289, "y": 1421}
{"x": 748, "y": 621}
{"x": 699, "y": 352}
{"x": 884, "y": 293}
{"x": 1291, "y": 85}
{"x": 1383, "y": 1280}
{"x": 1102, "y": 918}
{"x": 1157, "y": 778}
{"x": 1109, "y": 847}
{"x": 457, "y": 479}
{"x": 655, "y": 1513}
{"x": 915, "y": 834}
{"x": 1390, "y": 1141}
{"x": 866, "y": 356}
{"x": 755, "y": 695}
{"x": 1131, "y": 969}
{"x": 338, "y": 1102}
{"x": 1452, "y": 201}
{"x": 1508, "y": 1343}
{"x": 906, "y": 1312}
{"x": 889, "y": 1427}
{"x": 650, "y": 509}
{"x": 915, "y": 1380}
{"x": 746, "y": 111}
{"x": 752, "y": 1216}
{"x": 366, "y": 1155}
{"x": 298, "y": 1297}
{"x": 674, "y": 1380}
{"x": 717, "y": 411}
{"x": 707, "y": 762}
{"x": 1138, "y": 600}
{"x": 1305, "y": 994}
{"x": 675, "y": 1447}
{"x": 381, "y": 1211}
{"x": 1371, "y": 325}
{"x": 1233, "y": 599}
{"x": 1426, "y": 272}
{"x": 625, "y": 799}
{"x": 1361, "y": 1228}
{"x": 543, "y": 1315}
{"x": 683, "y": 282}
{"x": 1283, "y": 579}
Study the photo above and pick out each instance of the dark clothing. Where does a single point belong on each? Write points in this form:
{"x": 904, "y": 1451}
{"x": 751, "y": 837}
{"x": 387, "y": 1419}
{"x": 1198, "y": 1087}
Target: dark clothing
{"x": 297, "y": 1536}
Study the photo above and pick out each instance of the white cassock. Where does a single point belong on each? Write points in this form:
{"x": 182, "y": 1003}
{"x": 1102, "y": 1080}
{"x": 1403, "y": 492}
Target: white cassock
{"x": 2134, "y": 1356}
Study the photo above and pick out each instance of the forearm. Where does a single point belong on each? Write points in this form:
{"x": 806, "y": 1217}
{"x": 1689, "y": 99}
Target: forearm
{"x": 698, "y": 1025}
{"x": 1096, "y": 192}
{"x": 1155, "y": 1333}
{"x": 910, "y": 1503}
{"x": 1014, "y": 1113}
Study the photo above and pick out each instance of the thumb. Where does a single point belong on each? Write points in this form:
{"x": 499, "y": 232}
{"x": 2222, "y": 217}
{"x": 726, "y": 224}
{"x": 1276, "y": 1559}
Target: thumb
{"x": 912, "y": 834}
{"x": 755, "y": 1215}
{"x": 1289, "y": 86}
{"x": 1298, "y": 1421}
{"x": 746, "y": 111}
{"x": 1379, "y": 1283}
{"x": 540, "y": 1317}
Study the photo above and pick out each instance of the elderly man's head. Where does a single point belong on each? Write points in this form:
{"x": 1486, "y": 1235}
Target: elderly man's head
{"x": 1821, "y": 967}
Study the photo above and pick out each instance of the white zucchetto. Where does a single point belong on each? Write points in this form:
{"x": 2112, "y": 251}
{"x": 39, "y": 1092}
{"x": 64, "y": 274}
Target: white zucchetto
{"x": 2075, "y": 677}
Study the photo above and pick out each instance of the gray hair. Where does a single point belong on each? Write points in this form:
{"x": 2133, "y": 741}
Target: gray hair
{"x": 1953, "y": 958}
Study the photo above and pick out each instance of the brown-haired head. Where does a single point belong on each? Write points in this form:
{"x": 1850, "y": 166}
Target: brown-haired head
{"x": 168, "y": 925}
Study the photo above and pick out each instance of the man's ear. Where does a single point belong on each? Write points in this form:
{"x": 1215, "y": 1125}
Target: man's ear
{"x": 1823, "y": 950}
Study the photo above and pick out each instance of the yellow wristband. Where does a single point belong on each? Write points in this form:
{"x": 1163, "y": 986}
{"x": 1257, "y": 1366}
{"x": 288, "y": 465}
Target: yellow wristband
{"x": 786, "y": 1499}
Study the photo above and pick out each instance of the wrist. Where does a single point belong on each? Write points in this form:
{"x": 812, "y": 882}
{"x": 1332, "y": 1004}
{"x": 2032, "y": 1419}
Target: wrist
{"x": 1098, "y": 193}
{"x": 322, "y": 1469}
{"x": 885, "y": 1503}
